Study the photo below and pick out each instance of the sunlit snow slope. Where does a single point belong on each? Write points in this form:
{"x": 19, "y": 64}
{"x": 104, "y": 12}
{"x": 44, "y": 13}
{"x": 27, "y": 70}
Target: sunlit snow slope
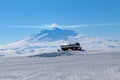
{"x": 49, "y": 40}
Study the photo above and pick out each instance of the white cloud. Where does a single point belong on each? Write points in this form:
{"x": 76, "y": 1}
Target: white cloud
{"x": 91, "y": 25}
{"x": 53, "y": 25}
{"x": 29, "y": 26}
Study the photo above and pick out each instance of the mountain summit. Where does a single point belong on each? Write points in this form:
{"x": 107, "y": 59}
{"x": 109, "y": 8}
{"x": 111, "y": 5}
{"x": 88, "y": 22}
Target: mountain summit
{"x": 53, "y": 26}
{"x": 53, "y": 34}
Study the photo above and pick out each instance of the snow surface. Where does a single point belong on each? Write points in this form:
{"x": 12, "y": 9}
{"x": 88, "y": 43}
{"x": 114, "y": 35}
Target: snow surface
{"x": 104, "y": 66}
{"x": 36, "y": 57}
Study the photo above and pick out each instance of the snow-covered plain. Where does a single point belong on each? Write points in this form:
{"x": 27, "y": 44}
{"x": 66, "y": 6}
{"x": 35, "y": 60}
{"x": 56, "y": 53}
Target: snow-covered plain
{"x": 35, "y": 58}
{"x": 103, "y": 66}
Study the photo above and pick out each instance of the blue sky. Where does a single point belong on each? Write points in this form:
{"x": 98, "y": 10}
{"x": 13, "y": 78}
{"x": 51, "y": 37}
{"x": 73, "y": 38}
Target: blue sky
{"x": 35, "y": 13}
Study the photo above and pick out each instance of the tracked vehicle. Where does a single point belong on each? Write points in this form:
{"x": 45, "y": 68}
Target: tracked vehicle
{"x": 71, "y": 46}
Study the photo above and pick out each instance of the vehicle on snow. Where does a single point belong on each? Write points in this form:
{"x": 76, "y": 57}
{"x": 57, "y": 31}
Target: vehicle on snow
{"x": 71, "y": 46}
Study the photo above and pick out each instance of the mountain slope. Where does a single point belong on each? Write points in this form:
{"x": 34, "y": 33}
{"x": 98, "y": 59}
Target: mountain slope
{"x": 50, "y": 41}
{"x": 52, "y": 35}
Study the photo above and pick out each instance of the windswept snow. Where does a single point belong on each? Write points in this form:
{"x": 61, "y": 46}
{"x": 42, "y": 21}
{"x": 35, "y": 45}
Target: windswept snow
{"x": 75, "y": 67}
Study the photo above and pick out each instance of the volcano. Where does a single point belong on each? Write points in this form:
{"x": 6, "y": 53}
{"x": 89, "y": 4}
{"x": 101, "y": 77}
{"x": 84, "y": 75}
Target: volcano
{"x": 49, "y": 40}
{"x": 52, "y": 35}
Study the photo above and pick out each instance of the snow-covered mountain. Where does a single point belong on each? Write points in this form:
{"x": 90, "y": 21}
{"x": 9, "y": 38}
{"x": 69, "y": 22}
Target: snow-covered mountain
{"x": 51, "y": 39}
{"x": 78, "y": 66}
{"x": 52, "y": 35}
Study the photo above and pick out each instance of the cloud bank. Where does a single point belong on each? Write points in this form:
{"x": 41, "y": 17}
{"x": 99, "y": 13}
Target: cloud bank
{"x": 53, "y": 25}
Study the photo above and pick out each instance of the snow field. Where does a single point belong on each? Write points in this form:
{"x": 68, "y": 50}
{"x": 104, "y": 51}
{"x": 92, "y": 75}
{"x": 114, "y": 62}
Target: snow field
{"x": 103, "y": 66}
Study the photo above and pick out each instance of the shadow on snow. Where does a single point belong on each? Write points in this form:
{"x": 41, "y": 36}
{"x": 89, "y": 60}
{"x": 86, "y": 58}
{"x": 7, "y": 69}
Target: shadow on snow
{"x": 53, "y": 54}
